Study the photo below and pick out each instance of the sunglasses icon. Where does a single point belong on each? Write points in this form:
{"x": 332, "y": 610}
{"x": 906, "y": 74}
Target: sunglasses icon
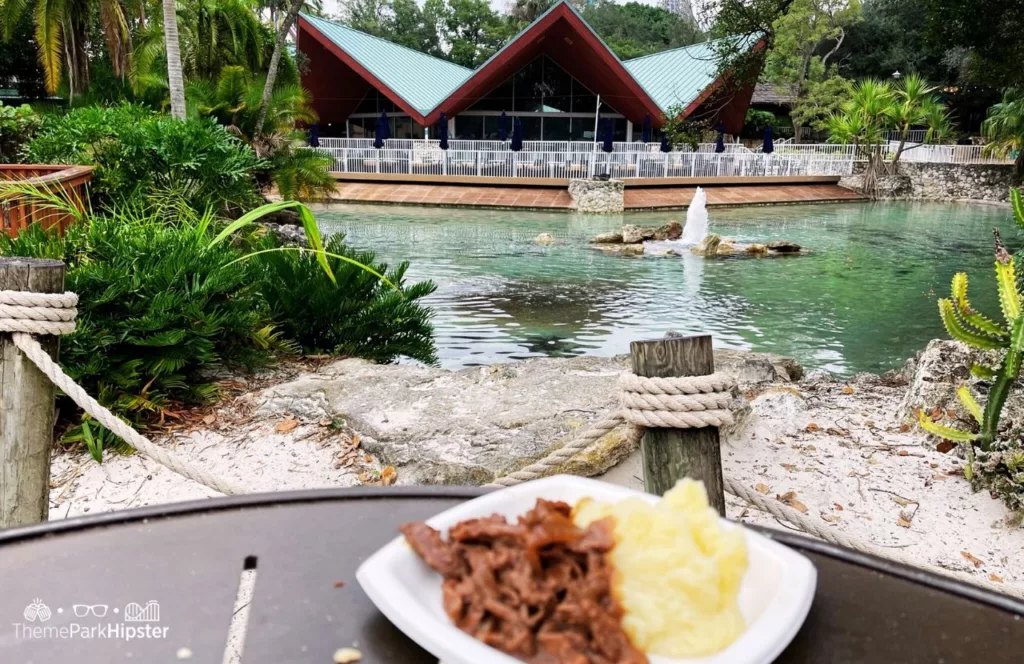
{"x": 82, "y": 610}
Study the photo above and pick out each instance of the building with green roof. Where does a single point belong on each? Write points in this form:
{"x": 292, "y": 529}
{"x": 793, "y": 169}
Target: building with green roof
{"x": 556, "y": 76}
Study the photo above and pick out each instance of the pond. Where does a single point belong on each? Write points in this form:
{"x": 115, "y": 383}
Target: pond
{"x": 863, "y": 300}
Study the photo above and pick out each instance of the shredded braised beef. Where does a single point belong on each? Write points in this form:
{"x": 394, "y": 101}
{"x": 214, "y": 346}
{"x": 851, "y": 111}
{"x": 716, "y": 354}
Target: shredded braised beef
{"x": 539, "y": 589}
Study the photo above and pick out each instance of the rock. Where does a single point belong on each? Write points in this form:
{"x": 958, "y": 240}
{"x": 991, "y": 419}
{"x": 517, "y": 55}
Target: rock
{"x": 647, "y": 232}
{"x": 632, "y": 234}
{"x": 757, "y": 249}
{"x": 708, "y": 246}
{"x": 940, "y": 369}
{"x": 607, "y": 238}
{"x": 597, "y": 196}
{"x": 467, "y": 427}
{"x": 288, "y": 236}
{"x": 751, "y": 369}
{"x": 725, "y": 249}
{"x": 673, "y": 230}
{"x": 286, "y": 217}
{"x": 544, "y": 239}
{"x": 783, "y": 247}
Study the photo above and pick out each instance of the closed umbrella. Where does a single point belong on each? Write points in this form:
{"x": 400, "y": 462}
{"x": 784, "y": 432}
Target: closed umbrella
{"x": 314, "y": 136}
{"x": 385, "y": 126}
{"x": 517, "y": 136}
{"x": 378, "y": 135}
{"x": 720, "y": 141}
{"x": 646, "y": 137}
{"x": 665, "y": 147}
{"x": 503, "y": 127}
{"x": 769, "y": 143}
{"x": 442, "y": 131}
{"x": 608, "y": 136}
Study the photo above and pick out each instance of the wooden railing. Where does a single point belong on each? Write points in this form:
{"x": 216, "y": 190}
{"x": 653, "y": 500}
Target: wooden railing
{"x": 17, "y": 212}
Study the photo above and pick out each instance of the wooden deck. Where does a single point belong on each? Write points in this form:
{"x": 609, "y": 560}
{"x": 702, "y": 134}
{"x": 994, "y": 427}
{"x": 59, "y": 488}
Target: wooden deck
{"x": 557, "y": 198}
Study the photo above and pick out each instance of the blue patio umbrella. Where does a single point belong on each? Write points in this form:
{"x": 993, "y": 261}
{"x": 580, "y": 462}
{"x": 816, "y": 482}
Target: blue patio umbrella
{"x": 517, "y": 136}
{"x": 608, "y": 136}
{"x": 646, "y": 137}
{"x": 503, "y": 127}
{"x": 769, "y": 143}
{"x": 665, "y": 147}
{"x": 442, "y": 131}
{"x": 385, "y": 126}
{"x": 378, "y": 135}
{"x": 314, "y": 136}
{"x": 720, "y": 141}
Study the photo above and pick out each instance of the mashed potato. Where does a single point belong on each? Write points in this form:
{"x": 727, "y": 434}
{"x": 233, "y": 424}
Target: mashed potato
{"x": 677, "y": 571}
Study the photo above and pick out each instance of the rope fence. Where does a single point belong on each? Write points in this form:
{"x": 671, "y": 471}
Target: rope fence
{"x": 687, "y": 402}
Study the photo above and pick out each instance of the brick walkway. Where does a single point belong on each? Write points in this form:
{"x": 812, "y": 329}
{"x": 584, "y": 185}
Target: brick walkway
{"x": 636, "y": 198}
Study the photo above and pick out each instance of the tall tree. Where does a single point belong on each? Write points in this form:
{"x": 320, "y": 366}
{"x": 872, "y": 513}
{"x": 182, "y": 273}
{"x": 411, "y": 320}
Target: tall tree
{"x": 399, "y": 21}
{"x": 807, "y": 36}
{"x": 175, "y": 78}
{"x": 275, "y": 62}
{"x": 989, "y": 31}
{"x": 471, "y": 29}
{"x": 634, "y": 29}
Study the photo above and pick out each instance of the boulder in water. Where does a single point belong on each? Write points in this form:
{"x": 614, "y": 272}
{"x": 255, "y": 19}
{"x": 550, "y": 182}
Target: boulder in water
{"x": 708, "y": 246}
{"x": 757, "y": 249}
{"x": 544, "y": 239}
{"x": 783, "y": 247}
{"x": 632, "y": 249}
{"x": 725, "y": 249}
{"x": 632, "y": 234}
{"x": 673, "y": 230}
{"x": 607, "y": 238}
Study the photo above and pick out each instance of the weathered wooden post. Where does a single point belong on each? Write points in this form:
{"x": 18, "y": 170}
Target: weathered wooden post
{"x": 26, "y": 404}
{"x": 671, "y": 454}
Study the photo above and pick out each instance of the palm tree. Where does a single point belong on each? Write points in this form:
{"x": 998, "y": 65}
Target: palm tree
{"x": 915, "y": 105}
{"x": 175, "y": 77}
{"x": 235, "y": 101}
{"x": 275, "y": 61}
{"x": 62, "y": 34}
{"x": 1004, "y": 128}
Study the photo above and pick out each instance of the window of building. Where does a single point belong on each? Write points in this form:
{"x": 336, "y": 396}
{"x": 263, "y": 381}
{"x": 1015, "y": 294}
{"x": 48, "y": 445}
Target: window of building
{"x": 469, "y": 127}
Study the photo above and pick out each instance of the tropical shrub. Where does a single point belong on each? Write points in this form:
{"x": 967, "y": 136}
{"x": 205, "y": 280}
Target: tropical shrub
{"x": 756, "y": 122}
{"x": 360, "y": 315}
{"x": 159, "y": 311}
{"x": 17, "y": 126}
{"x": 139, "y": 154}
{"x": 1004, "y": 128}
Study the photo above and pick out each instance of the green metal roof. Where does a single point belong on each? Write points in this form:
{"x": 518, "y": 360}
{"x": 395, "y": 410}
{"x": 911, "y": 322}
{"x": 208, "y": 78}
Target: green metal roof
{"x": 678, "y": 76}
{"x": 420, "y": 79}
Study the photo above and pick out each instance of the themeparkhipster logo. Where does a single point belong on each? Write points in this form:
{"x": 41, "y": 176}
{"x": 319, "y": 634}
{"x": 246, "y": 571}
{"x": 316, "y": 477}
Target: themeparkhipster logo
{"x": 91, "y": 621}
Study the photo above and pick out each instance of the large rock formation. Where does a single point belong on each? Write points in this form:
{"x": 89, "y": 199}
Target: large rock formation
{"x": 597, "y": 196}
{"x": 469, "y": 426}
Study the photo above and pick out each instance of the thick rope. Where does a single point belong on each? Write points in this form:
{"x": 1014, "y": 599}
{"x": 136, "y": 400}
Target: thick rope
{"x": 38, "y": 313}
{"x": 689, "y": 402}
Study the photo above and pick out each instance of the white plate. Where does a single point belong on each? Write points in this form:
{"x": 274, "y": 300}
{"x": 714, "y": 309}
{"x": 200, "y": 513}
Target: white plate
{"x": 774, "y": 598}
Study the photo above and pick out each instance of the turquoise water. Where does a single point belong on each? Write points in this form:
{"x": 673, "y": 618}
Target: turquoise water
{"x": 863, "y": 300}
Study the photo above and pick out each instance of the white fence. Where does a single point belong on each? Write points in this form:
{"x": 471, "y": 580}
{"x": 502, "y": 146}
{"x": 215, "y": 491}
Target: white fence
{"x": 580, "y": 159}
{"x": 428, "y": 160}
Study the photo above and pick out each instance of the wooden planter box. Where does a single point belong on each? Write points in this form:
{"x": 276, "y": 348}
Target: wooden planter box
{"x": 16, "y": 214}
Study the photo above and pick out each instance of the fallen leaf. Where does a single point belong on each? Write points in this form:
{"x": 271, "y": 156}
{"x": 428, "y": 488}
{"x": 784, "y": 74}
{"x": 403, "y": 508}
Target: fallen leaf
{"x": 932, "y": 464}
{"x": 790, "y": 467}
{"x": 847, "y": 390}
{"x": 210, "y": 419}
{"x": 789, "y": 498}
{"x": 902, "y": 453}
{"x": 901, "y": 501}
{"x": 951, "y": 414}
{"x": 762, "y": 489}
{"x": 388, "y": 476}
{"x": 811, "y": 427}
{"x": 367, "y": 458}
{"x": 904, "y": 428}
{"x": 869, "y": 423}
{"x": 839, "y": 508}
{"x": 945, "y": 446}
{"x": 831, "y": 518}
{"x": 339, "y": 584}
{"x": 284, "y": 426}
{"x": 355, "y": 440}
{"x": 995, "y": 578}
{"x": 903, "y": 522}
{"x": 936, "y": 414}
{"x": 974, "y": 560}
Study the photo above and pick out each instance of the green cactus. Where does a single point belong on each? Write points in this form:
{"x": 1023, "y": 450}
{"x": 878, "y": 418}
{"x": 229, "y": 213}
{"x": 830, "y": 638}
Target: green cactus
{"x": 972, "y": 328}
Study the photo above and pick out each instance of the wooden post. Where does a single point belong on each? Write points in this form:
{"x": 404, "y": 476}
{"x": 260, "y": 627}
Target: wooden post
{"x": 26, "y": 404}
{"x": 671, "y": 454}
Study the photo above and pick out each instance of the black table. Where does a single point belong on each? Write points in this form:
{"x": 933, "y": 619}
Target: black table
{"x": 188, "y": 558}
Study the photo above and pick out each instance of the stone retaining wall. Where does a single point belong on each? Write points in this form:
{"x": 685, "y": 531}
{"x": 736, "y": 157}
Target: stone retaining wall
{"x": 942, "y": 182}
{"x": 598, "y": 196}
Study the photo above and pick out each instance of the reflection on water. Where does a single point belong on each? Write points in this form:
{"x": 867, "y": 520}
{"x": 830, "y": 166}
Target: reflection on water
{"x": 864, "y": 300}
